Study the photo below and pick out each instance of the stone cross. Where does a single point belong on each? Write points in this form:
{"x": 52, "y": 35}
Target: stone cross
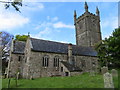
{"x": 114, "y": 73}
{"x": 104, "y": 70}
{"x": 108, "y": 80}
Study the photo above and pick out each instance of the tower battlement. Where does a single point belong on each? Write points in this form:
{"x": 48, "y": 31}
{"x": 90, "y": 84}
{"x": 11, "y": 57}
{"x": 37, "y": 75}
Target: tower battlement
{"x": 87, "y": 27}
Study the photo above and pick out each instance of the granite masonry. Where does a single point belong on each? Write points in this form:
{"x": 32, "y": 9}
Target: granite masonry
{"x": 42, "y": 58}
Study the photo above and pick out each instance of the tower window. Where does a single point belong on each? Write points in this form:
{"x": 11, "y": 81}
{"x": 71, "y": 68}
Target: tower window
{"x": 45, "y": 61}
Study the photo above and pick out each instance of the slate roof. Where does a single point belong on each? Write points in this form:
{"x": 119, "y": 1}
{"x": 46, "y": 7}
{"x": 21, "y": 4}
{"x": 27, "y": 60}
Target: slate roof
{"x": 19, "y": 47}
{"x": 70, "y": 67}
{"x": 40, "y": 45}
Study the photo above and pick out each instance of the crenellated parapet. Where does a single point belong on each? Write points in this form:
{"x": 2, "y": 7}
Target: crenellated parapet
{"x": 86, "y": 14}
{"x": 87, "y": 27}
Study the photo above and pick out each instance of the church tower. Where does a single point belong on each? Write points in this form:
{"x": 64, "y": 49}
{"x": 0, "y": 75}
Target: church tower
{"x": 87, "y": 27}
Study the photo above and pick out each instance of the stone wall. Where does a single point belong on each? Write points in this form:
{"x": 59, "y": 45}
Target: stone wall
{"x": 75, "y": 73}
{"x": 31, "y": 65}
{"x": 35, "y": 69}
{"x": 86, "y": 62}
{"x": 64, "y": 70}
{"x": 88, "y": 29}
{"x": 15, "y": 64}
{"x": 26, "y": 61}
{"x": 35, "y": 64}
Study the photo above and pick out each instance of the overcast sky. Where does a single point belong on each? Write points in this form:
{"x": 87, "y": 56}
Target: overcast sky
{"x": 54, "y": 20}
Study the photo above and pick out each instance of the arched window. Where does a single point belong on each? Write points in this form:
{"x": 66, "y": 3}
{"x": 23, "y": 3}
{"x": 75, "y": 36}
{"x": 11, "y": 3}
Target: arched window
{"x": 45, "y": 61}
{"x": 19, "y": 58}
{"x": 56, "y": 61}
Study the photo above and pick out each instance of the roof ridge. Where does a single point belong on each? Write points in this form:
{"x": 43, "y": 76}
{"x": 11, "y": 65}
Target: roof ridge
{"x": 51, "y": 41}
{"x": 60, "y": 43}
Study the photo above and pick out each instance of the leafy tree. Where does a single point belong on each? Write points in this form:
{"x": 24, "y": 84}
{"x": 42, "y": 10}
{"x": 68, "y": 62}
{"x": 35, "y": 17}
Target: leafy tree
{"x": 114, "y": 47}
{"x": 21, "y": 37}
{"x": 14, "y": 3}
{"x": 109, "y": 49}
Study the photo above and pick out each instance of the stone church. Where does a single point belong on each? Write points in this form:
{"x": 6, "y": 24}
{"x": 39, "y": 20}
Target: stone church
{"x": 42, "y": 58}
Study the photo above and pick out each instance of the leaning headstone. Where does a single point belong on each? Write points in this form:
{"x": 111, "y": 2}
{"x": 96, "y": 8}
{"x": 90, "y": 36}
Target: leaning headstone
{"x": 104, "y": 70}
{"x": 5, "y": 74}
{"x": 18, "y": 75}
{"x": 108, "y": 80}
{"x": 9, "y": 83}
{"x": 114, "y": 73}
{"x": 31, "y": 77}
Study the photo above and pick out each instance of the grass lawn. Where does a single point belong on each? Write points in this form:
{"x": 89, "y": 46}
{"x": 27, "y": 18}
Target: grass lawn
{"x": 80, "y": 81}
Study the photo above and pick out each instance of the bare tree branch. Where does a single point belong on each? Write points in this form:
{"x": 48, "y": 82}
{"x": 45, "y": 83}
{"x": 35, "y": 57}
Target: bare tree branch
{"x": 14, "y": 3}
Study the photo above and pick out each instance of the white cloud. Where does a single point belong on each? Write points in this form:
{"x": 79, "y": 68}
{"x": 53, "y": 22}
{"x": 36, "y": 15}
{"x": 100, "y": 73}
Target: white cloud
{"x": 55, "y": 19}
{"x": 51, "y": 24}
{"x": 45, "y": 31}
{"x": 64, "y": 42}
{"x": 48, "y": 17}
{"x": 43, "y": 34}
{"x": 49, "y": 27}
{"x": 62, "y": 25}
{"x": 43, "y": 25}
{"x": 32, "y": 6}
{"x": 47, "y": 23}
{"x": 40, "y": 6}
{"x": 71, "y": 0}
{"x": 111, "y": 21}
{"x": 108, "y": 25}
{"x": 10, "y": 20}
{"x": 52, "y": 19}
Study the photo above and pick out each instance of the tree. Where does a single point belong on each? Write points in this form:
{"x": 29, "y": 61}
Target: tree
{"x": 21, "y": 37}
{"x": 109, "y": 49}
{"x": 14, "y": 3}
{"x": 5, "y": 39}
{"x": 103, "y": 53}
{"x": 114, "y": 47}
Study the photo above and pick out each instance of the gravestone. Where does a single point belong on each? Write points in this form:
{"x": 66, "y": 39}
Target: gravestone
{"x": 114, "y": 73}
{"x": 108, "y": 80}
{"x": 104, "y": 70}
{"x": 93, "y": 70}
{"x": 18, "y": 75}
{"x": 92, "y": 73}
{"x": 31, "y": 77}
{"x": 5, "y": 74}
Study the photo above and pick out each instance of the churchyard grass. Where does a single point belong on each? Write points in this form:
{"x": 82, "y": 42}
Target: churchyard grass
{"x": 81, "y": 81}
